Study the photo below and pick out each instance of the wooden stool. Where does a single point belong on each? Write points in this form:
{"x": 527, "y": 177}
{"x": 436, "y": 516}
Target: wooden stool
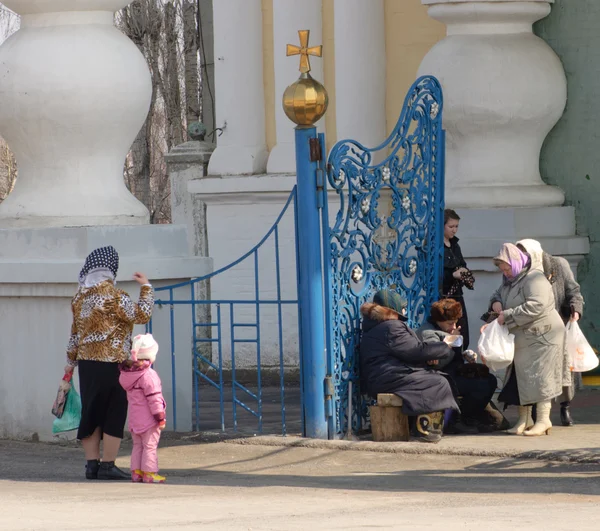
{"x": 388, "y": 423}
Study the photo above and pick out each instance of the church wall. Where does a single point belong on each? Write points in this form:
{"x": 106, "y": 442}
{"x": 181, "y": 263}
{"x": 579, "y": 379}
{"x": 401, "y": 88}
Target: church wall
{"x": 329, "y": 71}
{"x": 409, "y": 35}
{"x": 570, "y": 156}
{"x": 271, "y": 99}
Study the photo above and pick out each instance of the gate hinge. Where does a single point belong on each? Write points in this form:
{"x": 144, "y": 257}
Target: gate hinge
{"x": 329, "y": 391}
{"x": 320, "y": 188}
{"x": 315, "y": 149}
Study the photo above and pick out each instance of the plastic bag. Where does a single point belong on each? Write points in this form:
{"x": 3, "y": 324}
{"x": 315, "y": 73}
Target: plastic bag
{"x": 496, "y": 346}
{"x": 71, "y": 416}
{"x": 581, "y": 355}
{"x": 58, "y": 407}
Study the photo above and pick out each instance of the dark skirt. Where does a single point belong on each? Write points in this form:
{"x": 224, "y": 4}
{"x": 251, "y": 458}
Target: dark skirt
{"x": 103, "y": 400}
{"x": 509, "y": 395}
{"x": 424, "y": 392}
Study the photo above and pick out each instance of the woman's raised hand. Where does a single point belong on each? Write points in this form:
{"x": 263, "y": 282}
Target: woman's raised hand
{"x": 497, "y": 307}
{"x": 140, "y": 278}
{"x": 457, "y": 274}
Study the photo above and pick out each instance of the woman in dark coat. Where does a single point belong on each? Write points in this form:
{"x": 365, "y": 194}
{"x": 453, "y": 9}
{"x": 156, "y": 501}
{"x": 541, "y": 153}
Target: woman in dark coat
{"x": 394, "y": 360}
{"x": 473, "y": 381}
{"x": 456, "y": 273}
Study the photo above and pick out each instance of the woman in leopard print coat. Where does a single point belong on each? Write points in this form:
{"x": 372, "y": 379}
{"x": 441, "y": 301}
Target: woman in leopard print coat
{"x": 103, "y": 320}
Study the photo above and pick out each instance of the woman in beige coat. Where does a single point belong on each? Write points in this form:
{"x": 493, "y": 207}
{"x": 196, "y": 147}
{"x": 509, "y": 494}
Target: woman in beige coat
{"x": 528, "y": 310}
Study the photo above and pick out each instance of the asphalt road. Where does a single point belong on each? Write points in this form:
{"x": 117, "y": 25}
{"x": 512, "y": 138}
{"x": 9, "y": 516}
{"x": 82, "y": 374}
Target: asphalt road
{"x": 238, "y": 487}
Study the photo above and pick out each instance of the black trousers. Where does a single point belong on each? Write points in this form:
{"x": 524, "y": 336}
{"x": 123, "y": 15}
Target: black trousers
{"x": 476, "y": 394}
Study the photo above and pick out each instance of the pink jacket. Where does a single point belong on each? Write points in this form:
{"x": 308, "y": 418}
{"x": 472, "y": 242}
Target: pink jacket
{"x": 144, "y": 394}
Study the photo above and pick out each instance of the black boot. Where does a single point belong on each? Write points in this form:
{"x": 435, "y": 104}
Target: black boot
{"x": 91, "y": 469}
{"x": 565, "y": 414}
{"x": 492, "y": 420}
{"x": 429, "y": 427}
{"x": 109, "y": 471}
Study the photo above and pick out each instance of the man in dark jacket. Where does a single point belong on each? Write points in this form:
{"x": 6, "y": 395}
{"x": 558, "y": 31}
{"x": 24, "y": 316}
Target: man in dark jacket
{"x": 394, "y": 360}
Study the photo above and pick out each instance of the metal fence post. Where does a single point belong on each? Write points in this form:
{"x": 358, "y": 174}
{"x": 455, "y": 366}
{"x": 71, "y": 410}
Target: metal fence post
{"x": 310, "y": 289}
{"x": 305, "y": 103}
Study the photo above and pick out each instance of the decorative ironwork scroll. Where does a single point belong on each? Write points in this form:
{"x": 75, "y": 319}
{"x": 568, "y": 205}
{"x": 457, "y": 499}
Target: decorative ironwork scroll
{"x": 387, "y": 232}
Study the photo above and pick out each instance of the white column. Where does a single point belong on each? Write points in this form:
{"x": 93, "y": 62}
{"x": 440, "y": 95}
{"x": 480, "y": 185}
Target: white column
{"x": 287, "y": 20}
{"x": 239, "y": 88}
{"x": 504, "y": 90}
{"x": 74, "y": 93}
{"x": 359, "y": 36}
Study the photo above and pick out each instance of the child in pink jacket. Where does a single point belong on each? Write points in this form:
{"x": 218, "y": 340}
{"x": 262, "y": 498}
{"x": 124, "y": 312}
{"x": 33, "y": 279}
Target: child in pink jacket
{"x": 147, "y": 408}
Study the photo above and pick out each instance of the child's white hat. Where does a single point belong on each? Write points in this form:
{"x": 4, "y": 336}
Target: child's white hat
{"x": 144, "y": 347}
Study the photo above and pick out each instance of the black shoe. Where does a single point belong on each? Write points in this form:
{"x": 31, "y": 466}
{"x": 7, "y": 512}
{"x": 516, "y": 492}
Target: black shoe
{"x": 109, "y": 471}
{"x": 429, "y": 428}
{"x": 91, "y": 469}
{"x": 565, "y": 415}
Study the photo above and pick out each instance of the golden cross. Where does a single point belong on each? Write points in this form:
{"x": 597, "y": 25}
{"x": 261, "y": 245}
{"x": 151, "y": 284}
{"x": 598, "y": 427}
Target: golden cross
{"x": 304, "y": 51}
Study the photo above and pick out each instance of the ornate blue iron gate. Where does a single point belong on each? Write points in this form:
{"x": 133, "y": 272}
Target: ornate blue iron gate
{"x": 387, "y": 233}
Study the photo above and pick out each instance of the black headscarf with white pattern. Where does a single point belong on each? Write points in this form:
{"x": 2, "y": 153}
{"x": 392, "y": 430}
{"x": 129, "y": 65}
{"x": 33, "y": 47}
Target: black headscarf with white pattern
{"x": 103, "y": 259}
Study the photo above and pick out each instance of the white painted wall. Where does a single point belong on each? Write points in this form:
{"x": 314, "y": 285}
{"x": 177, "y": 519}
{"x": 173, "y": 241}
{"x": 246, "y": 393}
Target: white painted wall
{"x": 38, "y": 271}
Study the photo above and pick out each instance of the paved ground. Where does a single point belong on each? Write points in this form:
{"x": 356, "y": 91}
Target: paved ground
{"x": 238, "y": 487}
{"x": 489, "y": 482}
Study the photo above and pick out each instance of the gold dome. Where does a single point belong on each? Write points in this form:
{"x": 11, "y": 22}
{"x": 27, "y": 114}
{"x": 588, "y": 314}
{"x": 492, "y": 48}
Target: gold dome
{"x": 305, "y": 101}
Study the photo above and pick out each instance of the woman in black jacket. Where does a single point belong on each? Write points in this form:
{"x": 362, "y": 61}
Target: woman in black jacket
{"x": 473, "y": 381}
{"x": 394, "y": 360}
{"x": 456, "y": 273}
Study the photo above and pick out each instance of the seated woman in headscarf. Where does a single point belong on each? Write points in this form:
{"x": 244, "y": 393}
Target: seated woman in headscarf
{"x": 394, "y": 360}
{"x": 535, "y": 377}
{"x": 474, "y": 383}
{"x": 103, "y": 319}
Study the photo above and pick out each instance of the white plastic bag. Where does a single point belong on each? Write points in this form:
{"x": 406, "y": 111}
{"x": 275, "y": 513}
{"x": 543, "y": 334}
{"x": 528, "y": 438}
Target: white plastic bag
{"x": 496, "y": 346}
{"x": 581, "y": 355}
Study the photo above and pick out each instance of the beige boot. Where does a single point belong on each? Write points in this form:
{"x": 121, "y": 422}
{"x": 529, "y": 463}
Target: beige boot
{"x": 543, "y": 424}
{"x": 525, "y": 421}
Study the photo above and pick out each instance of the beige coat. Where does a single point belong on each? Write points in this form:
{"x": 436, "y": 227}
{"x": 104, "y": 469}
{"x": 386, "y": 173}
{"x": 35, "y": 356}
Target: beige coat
{"x": 530, "y": 315}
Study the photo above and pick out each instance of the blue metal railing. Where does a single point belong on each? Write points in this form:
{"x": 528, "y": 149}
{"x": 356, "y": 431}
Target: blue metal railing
{"x": 251, "y": 401}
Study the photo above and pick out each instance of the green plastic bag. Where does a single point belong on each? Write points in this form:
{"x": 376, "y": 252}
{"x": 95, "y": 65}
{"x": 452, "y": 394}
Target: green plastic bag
{"x": 71, "y": 416}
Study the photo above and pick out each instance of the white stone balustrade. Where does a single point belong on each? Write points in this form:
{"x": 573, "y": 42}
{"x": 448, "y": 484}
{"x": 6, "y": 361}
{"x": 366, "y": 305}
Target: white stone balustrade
{"x": 504, "y": 90}
{"x": 74, "y": 92}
